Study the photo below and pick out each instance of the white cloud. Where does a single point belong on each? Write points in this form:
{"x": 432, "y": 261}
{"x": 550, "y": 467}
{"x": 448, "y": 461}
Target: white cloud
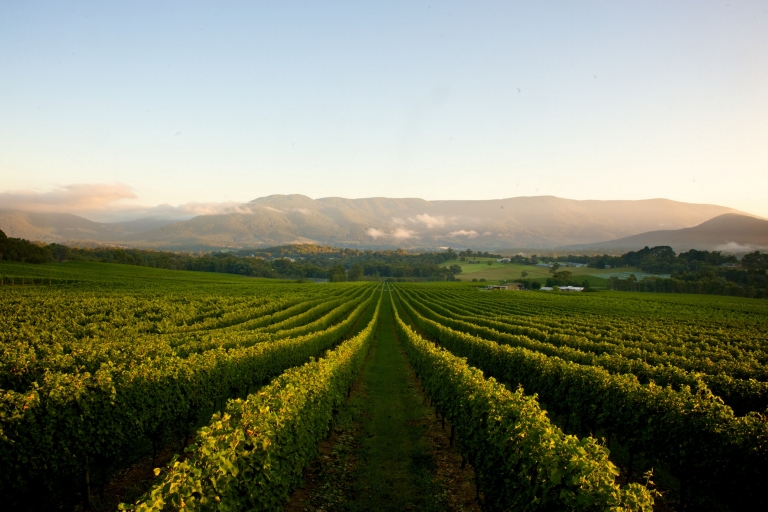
{"x": 401, "y": 233}
{"x": 305, "y": 211}
{"x": 487, "y": 233}
{"x": 398, "y": 233}
{"x": 429, "y": 220}
{"x": 374, "y": 233}
{"x": 79, "y": 197}
{"x": 272, "y": 209}
{"x": 463, "y": 232}
{"x": 733, "y": 247}
{"x": 107, "y": 202}
{"x": 191, "y": 209}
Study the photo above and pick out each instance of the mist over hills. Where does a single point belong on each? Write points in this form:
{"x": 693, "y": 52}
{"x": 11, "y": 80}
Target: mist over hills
{"x": 520, "y": 222}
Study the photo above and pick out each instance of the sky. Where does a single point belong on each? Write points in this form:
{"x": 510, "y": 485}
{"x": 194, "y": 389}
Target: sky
{"x": 121, "y": 106}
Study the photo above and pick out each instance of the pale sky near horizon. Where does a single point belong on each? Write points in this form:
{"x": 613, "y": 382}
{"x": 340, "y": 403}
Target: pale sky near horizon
{"x": 178, "y": 102}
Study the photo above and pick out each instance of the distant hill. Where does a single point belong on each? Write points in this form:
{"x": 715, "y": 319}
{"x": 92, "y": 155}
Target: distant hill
{"x": 520, "y": 222}
{"x": 56, "y": 227}
{"x": 65, "y": 227}
{"x": 729, "y": 232}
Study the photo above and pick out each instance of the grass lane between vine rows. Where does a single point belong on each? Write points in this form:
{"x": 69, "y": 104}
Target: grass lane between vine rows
{"x": 387, "y": 451}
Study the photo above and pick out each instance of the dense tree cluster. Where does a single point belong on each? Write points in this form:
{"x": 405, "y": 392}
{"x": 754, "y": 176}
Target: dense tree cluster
{"x": 361, "y": 264}
{"x": 661, "y": 259}
{"x": 705, "y": 285}
{"x": 469, "y": 254}
{"x": 696, "y": 272}
{"x": 17, "y": 249}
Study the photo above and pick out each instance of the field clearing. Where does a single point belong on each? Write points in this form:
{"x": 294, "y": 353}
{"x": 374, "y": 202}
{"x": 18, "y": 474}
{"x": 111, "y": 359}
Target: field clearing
{"x": 513, "y": 271}
{"x": 96, "y": 272}
{"x": 626, "y": 275}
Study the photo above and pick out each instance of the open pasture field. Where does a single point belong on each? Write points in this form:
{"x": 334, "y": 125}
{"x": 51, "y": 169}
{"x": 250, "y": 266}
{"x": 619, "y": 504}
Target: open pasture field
{"x": 512, "y": 271}
{"x": 105, "y": 273}
{"x": 255, "y": 394}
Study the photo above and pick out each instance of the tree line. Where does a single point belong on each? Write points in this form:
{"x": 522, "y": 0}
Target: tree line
{"x": 289, "y": 261}
{"x": 707, "y": 272}
{"x": 694, "y": 271}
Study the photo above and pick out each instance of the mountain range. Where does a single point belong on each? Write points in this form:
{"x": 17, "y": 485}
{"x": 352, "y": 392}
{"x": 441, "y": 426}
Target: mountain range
{"x": 543, "y": 222}
{"x": 729, "y": 232}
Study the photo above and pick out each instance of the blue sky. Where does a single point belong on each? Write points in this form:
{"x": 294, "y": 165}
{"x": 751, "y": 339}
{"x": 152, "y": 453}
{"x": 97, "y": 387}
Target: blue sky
{"x": 178, "y": 102}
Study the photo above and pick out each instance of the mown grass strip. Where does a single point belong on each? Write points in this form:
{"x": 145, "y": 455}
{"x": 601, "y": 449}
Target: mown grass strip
{"x": 395, "y": 469}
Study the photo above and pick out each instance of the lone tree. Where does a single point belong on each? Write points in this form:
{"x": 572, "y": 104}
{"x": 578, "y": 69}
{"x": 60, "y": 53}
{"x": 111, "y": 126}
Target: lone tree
{"x": 455, "y": 269}
{"x": 524, "y": 274}
{"x": 553, "y": 268}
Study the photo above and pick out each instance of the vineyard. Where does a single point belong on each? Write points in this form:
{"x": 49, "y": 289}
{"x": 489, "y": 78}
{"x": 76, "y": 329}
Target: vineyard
{"x": 556, "y": 402}
{"x": 679, "y": 384}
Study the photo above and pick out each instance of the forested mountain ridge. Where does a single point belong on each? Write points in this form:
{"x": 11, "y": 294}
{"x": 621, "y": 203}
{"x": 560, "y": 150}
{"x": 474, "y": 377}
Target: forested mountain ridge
{"x": 729, "y": 232}
{"x": 520, "y": 222}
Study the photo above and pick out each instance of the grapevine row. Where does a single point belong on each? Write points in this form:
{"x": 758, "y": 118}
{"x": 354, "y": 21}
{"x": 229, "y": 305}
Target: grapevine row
{"x": 252, "y": 456}
{"x": 742, "y": 395}
{"x": 700, "y": 440}
{"x": 55, "y": 431}
{"x": 745, "y": 363}
{"x": 650, "y": 323}
{"x": 521, "y": 460}
{"x": 23, "y": 362}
